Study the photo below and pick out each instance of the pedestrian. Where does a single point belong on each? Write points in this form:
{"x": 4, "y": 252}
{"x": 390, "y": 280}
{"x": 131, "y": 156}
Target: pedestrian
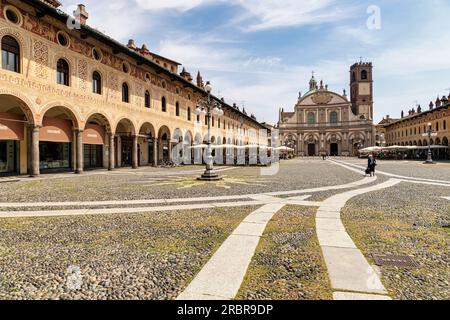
{"x": 372, "y": 163}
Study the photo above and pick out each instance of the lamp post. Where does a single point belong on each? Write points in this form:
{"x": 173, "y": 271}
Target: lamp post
{"x": 208, "y": 109}
{"x": 430, "y": 154}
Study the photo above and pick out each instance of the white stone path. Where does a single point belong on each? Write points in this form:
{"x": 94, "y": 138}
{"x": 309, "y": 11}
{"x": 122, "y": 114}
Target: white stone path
{"x": 348, "y": 269}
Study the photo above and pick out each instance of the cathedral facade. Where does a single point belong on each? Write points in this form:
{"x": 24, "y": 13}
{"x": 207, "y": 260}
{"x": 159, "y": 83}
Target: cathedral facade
{"x": 327, "y": 123}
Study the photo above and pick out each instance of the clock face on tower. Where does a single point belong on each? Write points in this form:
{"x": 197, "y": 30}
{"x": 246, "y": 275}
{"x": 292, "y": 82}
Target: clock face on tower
{"x": 364, "y": 89}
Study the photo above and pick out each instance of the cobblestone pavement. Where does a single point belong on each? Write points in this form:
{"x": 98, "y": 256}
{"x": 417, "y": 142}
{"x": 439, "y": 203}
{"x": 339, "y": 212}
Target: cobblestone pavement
{"x": 288, "y": 263}
{"x": 413, "y": 221}
{"x": 155, "y": 255}
{"x": 140, "y": 256}
{"x": 129, "y": 185}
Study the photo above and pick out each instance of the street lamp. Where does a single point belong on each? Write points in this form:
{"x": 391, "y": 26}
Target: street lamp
{"x": 430, "y": 132}
{"x": 208, "y": 109}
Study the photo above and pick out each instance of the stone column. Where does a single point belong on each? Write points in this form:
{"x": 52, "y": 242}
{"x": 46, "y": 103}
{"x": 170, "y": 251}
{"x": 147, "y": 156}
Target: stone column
{"x": 170, "y": 151}
{"x": 155, "y": 153}
{"x": 134, "y": 159}
{"x": 35, "y": 170}
{"x": 79, "y": 154}
{"x": 111, "y": 152}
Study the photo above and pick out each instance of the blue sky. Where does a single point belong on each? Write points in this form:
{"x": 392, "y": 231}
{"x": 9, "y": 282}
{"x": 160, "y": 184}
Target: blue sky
{"x": 260, "y": 53}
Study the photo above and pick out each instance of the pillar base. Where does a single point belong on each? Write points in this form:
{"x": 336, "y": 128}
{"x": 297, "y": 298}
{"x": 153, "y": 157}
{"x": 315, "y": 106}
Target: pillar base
{"x": 429, "y": 162}
{"x": 210, "y": 176}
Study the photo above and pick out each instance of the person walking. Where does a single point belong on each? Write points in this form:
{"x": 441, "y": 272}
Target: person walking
{"x": 372, "y": 163}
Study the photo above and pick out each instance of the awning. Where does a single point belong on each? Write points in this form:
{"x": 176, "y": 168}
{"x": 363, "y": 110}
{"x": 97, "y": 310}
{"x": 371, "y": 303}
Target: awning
{"x": 94, "y": 134}
{"x": 56, "y": 130}
{"x": 12, "y": 126}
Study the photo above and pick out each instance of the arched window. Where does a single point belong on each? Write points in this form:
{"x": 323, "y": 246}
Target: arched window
{"x": 10, "y": 54}
{"x": 62, "y": 72}
{"x": 147, "y": 99}
{"x": 189, "y": 114}
{"x": 364, "y": 75}
{"x": 163, "y": 104}
{"x": 96, "y": 83}
{"x": 125, "y": 93}
{"x": 445, "y": 125}
{"x": 311, "y": 118}
{"x": 177, "y": 109}
{"x": 334, "y": 117}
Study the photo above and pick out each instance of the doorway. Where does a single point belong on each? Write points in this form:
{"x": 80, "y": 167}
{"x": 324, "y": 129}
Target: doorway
{"x": 127, "y": 149}
{"x": 311, "y": 150}
{"x": 93, "y": 156}
{"x": 334, "y": 150}
{"x": 8, "y": 157}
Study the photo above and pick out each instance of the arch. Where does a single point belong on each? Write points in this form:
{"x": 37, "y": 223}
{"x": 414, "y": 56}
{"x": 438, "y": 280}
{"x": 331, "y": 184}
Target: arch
{"x": 100, "y": 119}
{"x": 445, "y": 141}
{"x": 11, "y": 54}
{"x": 125, "y": 126}
{"x": 364, "y": 75}
{"x": 69, "y": 110}
{"x": 17, "y": 102}
{"x": 147, "y": 129}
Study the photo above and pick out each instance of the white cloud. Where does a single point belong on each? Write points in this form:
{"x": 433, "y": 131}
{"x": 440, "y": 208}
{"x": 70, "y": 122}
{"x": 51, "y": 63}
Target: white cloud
{"x": 182, "y": 5}
{"x": 274, "y": 13}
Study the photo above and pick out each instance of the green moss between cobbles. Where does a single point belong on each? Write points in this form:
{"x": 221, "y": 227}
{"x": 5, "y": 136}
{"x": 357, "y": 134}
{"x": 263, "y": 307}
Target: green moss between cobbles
{"x": 288, "y": 263}
{"x": 391, "y": 231}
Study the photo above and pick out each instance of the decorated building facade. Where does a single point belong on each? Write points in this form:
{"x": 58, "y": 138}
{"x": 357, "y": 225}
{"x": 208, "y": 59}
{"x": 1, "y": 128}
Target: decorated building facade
{"x": 72, "y": 98}
{"x": 327, "y": 123}
{"x": 412, "y": 128}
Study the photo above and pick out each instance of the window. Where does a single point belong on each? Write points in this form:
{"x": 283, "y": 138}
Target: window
{"x": 445, "y": 125}
{"x": 177, "y": 109}
{"x": 12, "y": 15}
{"x": 125, "y": 67}
{"x": 163, "y": 104}
{"x": 147, "y": 99}
{"x": 198, "y": 118}
{"x": 212, "y": 122}
{"x": 96, "y": 83}
{"x": 364, "y": 75}
{"x": 10, "y": 54}
{"x": 97, "y": 54}
{"x": 333, "y": 117}
{"x": 125, "y": 93}
{"x": 62, "y": 72}
{"x": 63, "y": 39}
{"x": 311, "y": 118}
{"x": 437, "y": 126}
{"x": 189, "y": 114}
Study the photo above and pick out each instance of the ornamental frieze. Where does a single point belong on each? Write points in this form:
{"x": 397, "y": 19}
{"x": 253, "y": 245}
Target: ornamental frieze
{"x": 40, "y": 56}
{"x": 322, "y": 98}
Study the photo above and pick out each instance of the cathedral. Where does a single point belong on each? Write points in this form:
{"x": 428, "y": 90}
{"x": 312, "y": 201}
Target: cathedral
{"x": 327, "y": 123}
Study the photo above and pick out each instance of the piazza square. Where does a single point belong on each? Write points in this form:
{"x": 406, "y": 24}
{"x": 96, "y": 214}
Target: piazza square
{"x": 125, "y": 177}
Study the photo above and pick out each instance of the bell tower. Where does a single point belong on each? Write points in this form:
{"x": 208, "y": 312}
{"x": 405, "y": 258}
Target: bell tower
{"x": 361, "y": 89}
